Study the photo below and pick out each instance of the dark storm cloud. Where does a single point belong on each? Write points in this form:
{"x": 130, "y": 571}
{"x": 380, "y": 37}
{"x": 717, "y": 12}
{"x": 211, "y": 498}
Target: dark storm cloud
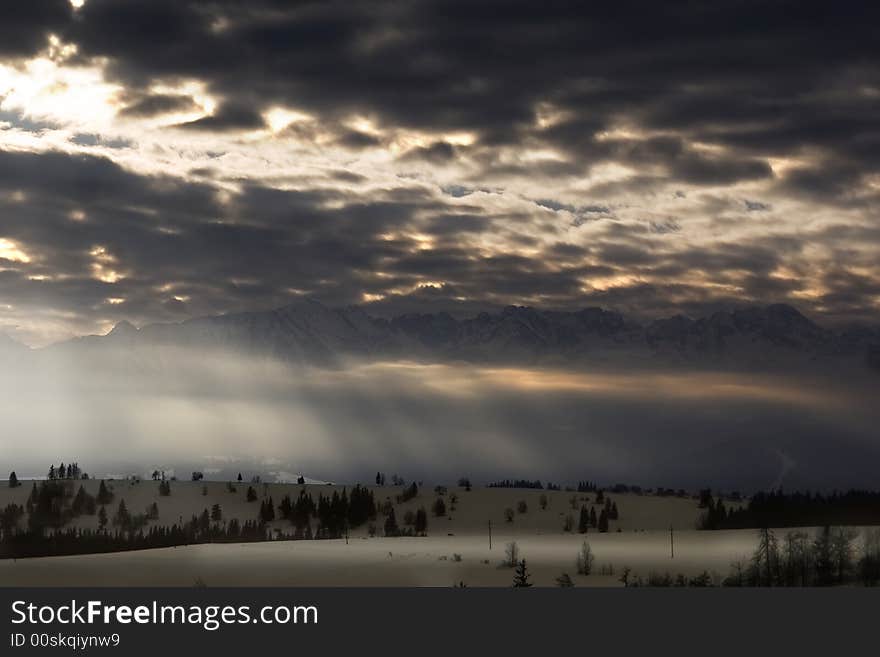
{"x": 761, "y": 79}
{"x": 147, "y": 105}
{"x": 24, "y": 26}
{"x": 754, "y": 79}
{"x": 355, "y": 140}
{"x": 439, "y": 152}
{"x": 245, "y": 252}
{"x": 180, "y": 251}
{"x": 230, "y": 116}
{"x": 684, "y": 95}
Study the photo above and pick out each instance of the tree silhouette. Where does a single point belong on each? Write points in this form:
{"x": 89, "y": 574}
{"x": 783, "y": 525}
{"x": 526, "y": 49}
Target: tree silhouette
{"x": 584, "y": 521}
{"x": 13, "y": 480}
{"x": 521, "y": 577}
{"x": 766, "y": 558}
{"x": 122, "y": 517}
{"x": 104, "y": 494}
{"x": 421, "y": 521}
{"x": 564, "y": 581}
{"x": 391, "y": 528}
{"x": 511, "y": 554}
{"x": 585, "y": 559}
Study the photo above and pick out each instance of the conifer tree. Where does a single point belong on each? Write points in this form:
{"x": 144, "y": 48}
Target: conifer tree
{"x": 78, "y": 501}
{"x": 564, "y": 581}
{"x": 391, "y": 528}
{"x": 122, "y": 517}
{"x": 584, "y": 521}
{"x": 522, "y": 575}
{"x": 32, "y": 499}
{"x": 104, "y": 495}
{"x": 421, "y": 522}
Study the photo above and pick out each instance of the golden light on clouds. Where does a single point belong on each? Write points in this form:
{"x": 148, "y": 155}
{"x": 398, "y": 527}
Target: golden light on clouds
{"x": 278, "y": 118}
{"x": 103, "y": 266}
{"x": 46, "y": 89}
{"x": 463, "y": 381}
{"x": 9, "y": 250}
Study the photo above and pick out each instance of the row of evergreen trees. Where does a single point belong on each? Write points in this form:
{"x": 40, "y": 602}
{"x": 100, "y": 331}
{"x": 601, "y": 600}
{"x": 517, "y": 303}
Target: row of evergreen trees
{"x": 200, "y": 529}
{"x": 589, "y": 518}
{"x": 516, "y": 483}
{"x": 779, "y": 509}
{"x": 336, "y": 513}
{"x": 71, "y": 471}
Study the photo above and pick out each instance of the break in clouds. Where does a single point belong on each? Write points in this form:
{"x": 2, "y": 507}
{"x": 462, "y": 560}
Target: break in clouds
{"x": 162, "y": 159}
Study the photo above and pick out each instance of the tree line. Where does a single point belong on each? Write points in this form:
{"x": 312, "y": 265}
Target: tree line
{"x": 798, "y": 509}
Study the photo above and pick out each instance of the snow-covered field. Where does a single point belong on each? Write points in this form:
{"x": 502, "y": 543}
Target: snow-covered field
{"x": 388, "y": 561}
{"x": 642, "y": 544}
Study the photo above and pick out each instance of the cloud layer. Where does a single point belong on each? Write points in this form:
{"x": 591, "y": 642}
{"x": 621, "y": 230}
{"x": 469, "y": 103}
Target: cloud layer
{"x": 163, "y": 159}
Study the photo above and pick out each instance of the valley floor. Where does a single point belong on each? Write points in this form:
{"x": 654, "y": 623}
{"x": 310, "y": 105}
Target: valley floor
{"x": 429, "y": 561}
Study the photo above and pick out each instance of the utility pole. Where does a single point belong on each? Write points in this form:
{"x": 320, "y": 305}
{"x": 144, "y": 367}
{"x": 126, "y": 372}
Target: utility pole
{"x": 490, "y": 535}
{"x": 671, "y": 543}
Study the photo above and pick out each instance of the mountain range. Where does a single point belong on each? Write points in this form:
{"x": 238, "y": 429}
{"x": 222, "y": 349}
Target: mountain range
{"x": 308, "y": 332}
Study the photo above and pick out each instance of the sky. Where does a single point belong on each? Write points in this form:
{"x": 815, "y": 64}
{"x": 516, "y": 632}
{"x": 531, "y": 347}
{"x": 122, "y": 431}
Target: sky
{"x": 165, "y": 159}
{"x": 218, "y": 413}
